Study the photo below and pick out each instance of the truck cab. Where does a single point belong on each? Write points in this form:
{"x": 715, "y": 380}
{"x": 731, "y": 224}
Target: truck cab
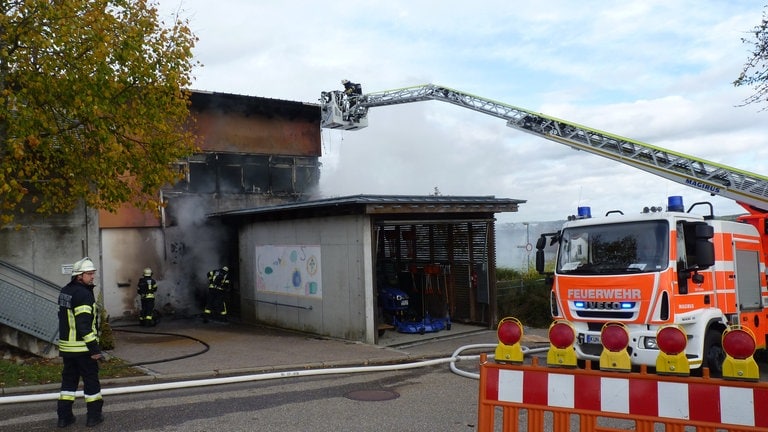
{"x": 656, "y": 268}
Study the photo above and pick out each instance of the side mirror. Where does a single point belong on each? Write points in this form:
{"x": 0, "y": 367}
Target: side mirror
{"x": 705, "y": 250}
{"x": 540, "y": 261}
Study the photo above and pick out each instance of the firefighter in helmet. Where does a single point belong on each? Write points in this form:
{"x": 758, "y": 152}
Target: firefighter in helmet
{"x": 79, "y": 345}
{"x": 218, "y": 286}
{"x": 353, "y": 91}
{"x": 146, "y": 290}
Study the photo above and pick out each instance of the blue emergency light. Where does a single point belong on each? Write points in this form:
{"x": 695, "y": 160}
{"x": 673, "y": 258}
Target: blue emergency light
{"x": 584, "y": 212}
{"x": 675, "y": 204}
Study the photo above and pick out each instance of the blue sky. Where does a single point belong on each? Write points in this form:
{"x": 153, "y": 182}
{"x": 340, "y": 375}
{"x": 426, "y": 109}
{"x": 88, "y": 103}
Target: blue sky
{"x": 654, "y": 71}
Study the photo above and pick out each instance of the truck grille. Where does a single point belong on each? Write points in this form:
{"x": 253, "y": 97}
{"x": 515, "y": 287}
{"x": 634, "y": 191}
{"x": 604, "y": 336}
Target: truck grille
{"x": 605, "y": 314}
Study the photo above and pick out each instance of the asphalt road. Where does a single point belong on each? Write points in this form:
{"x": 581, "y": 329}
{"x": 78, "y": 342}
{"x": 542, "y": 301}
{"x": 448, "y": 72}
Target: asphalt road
{"x": 429, "y": 398}
{"x": 425, "y": 399}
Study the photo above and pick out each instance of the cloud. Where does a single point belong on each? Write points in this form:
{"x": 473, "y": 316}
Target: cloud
{"x": 655, "y": 71}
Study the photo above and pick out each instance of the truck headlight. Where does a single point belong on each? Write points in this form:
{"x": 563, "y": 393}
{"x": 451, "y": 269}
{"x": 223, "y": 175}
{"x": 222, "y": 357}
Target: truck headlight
{"x": 650, "y": 343}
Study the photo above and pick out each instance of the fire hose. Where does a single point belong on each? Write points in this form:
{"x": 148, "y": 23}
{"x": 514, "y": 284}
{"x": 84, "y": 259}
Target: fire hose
{"x": 455, "y": 357}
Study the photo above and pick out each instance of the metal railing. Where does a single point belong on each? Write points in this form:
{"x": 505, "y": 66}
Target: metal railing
{"x": 29, "y": 302}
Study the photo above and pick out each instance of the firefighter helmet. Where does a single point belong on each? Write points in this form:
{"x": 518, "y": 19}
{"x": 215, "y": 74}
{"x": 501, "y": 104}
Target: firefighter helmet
{"x": 225, "y": 268}
{"x": 147, "y": 271}
{"x": 82, "y": 266}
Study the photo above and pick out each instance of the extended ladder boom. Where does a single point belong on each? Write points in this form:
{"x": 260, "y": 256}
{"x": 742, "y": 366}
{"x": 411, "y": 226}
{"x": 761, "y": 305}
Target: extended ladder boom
{"x": 350, "y": 112}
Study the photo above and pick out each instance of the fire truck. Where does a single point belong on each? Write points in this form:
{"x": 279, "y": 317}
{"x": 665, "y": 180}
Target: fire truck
{"x": 645, "y": 270}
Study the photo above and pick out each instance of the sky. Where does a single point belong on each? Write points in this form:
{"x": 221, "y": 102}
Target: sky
{"x": 660, "y": 72}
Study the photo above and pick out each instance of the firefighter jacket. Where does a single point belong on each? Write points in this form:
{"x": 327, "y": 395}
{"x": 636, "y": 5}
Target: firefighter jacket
{"x": 78, "y": 320}
{"x": 218, "y": 279}
{"x": 147, "y": 287}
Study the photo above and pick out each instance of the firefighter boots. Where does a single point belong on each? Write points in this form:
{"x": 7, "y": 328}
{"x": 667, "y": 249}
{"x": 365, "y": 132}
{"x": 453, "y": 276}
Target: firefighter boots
{"x": 64, "y": 412}
{"x": 94, "y": 412}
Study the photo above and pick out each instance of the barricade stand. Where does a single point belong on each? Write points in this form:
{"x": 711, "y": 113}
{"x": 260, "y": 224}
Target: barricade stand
{"x": 677, "y": 402}
{"x": 708, "y": 404}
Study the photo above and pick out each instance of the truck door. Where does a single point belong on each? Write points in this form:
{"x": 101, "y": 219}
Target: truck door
{"x": 747, "y": 279}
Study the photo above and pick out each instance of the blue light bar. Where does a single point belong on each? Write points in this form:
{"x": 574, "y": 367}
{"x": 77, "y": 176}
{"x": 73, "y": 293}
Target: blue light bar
{"x": 627, "y": 305}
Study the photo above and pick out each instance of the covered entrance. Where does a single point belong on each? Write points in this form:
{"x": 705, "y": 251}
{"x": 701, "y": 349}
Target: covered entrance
{"x": 442, "y": 268}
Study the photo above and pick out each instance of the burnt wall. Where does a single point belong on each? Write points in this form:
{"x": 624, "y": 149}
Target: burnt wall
{"x": 273, "y": 175}
{"x": 243, "y": 124}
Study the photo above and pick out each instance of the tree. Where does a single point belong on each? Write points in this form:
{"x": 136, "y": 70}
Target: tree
{"x": 93, "y": 104}
{"x": 755, "y": 72}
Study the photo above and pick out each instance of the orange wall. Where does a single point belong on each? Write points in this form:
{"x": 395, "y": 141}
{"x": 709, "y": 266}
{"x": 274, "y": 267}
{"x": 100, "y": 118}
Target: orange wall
{"x": 260, "y": 135}
{"x": 127, "y": 217}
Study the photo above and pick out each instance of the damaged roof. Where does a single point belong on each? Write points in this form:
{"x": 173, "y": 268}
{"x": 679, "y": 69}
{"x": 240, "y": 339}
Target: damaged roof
{"x": 253, "y": 105}
{"x": 381, "y": 204}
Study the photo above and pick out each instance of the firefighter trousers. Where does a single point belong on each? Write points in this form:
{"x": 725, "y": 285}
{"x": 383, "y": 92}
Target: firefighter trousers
{"x": 147, "y": 318}
{"x": 216, "y": 306}
{"x": 81, "y": 366}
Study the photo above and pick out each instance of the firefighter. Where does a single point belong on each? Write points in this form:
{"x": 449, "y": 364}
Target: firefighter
{"x": 218, "y": 286}
{"x": 352, "y": 89}
{"x": 79, "y": 345}
{"x": 146, "y": 290}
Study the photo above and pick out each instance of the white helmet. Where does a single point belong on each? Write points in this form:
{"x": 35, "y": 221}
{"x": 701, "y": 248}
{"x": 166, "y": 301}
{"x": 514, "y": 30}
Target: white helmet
{"x": 225, "y": 268}
{"x": 147, "y": 271}
{"x": 344, "y": 81}
{"x": 82, "y": 266}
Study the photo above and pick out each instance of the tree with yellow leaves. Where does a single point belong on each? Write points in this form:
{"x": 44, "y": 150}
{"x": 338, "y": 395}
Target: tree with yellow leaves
{"x": 94, "y": 104}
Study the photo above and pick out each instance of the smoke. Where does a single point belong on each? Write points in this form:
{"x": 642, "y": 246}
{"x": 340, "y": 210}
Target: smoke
{"x": 195, "y": 245}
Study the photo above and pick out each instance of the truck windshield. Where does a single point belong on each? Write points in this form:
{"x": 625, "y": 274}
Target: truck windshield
{"x": 619, "y": 248}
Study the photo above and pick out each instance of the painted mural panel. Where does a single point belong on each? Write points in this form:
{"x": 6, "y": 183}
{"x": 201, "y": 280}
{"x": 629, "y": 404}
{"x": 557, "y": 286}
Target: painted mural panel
{"x": 289, "y": 269}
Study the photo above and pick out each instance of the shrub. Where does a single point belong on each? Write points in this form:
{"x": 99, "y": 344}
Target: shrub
{"x": 524, "y": 296}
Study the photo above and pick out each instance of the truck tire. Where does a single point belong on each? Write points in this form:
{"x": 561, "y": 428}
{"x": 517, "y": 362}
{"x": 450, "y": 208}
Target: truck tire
{"x": 714, "y": 355}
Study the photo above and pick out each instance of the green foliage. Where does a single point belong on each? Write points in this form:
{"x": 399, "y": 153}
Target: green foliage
{"x": 755, "y": 71}
{"x": 106, "y": 337}
{"x": 524, "y": 296}
{"x": 92, "y": 104}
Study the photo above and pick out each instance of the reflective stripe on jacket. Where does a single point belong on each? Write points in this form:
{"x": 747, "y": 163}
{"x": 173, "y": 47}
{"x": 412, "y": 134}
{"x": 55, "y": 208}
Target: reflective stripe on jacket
{"x": 147, "y": 287}
{"x": 78, "y": 320}
{"x": 218, "y": 279}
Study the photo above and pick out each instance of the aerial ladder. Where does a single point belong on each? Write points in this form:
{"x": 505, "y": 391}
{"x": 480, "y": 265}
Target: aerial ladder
{"x": 349, "y": 111}
{"x": 732, "y": 255}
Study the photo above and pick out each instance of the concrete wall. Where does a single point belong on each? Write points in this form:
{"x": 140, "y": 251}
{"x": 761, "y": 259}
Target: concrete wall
{"x": 346, "y": 307}
{"x": 128, "y": 251}
{"x": 48, "y": 246}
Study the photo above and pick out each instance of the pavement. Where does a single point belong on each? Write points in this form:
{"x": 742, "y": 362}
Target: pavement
{"x": 185, "y": 349}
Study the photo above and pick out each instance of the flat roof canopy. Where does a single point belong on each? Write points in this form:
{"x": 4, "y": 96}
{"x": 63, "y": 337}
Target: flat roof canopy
{"x": 380, "y": 205}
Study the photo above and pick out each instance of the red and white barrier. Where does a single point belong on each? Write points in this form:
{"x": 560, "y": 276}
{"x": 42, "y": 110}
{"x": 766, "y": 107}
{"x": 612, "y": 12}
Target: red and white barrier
{"x": 689, "y": 399}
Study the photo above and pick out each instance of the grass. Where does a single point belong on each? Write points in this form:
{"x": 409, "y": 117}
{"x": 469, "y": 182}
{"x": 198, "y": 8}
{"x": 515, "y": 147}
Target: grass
{"x": 23, "y": 369}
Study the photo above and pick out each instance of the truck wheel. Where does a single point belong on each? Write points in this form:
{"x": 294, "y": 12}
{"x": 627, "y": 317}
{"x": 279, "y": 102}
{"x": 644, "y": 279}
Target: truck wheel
{"x": 714, "y": 355}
